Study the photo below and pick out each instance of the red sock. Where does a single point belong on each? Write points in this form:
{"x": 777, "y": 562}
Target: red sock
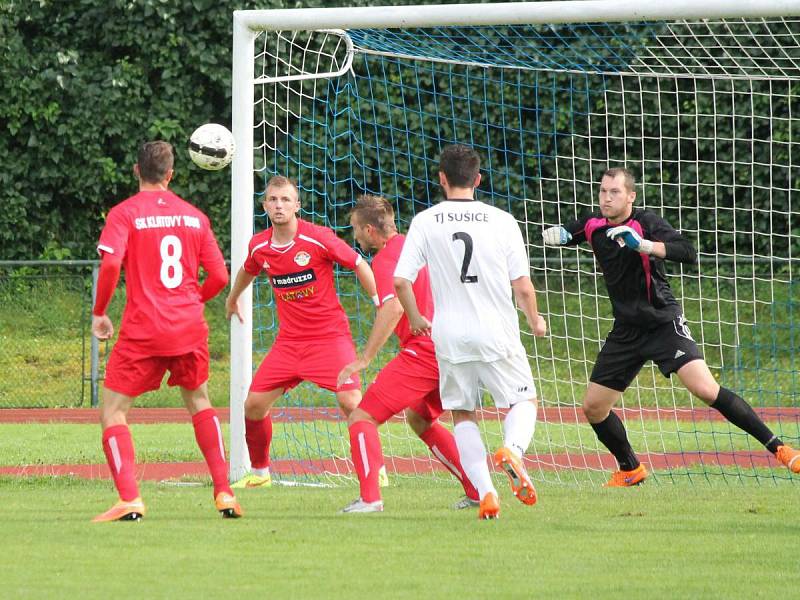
{"x": 258, "y": 435}
{"x": 443, "y": 446}
{"x": 208, "y": 434}
{"x": 365, "y": 448}
{"x": 118, "y": 448}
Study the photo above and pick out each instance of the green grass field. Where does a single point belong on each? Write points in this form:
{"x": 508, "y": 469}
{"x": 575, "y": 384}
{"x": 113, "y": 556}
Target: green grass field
{"x": 712, "y": 541}
{"x": 25, "y": 444}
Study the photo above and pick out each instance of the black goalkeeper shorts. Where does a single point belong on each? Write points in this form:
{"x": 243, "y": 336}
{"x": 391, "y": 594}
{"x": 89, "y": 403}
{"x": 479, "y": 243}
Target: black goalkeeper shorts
{"x": 627, "y": 348}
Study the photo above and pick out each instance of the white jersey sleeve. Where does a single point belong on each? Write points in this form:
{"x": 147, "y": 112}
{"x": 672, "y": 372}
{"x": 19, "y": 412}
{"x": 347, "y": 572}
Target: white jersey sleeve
{"x": 412, "y": 256}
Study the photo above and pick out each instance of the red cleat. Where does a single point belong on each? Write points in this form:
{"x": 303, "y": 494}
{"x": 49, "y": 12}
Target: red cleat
{"x": 520, "y": 482}
{"x": 122, "y": 511}
{"x": 489, "y": 507}
{"x": 227, "y": 506}
{"x": 789, "y": 457}
{"x": 628, "y": 478}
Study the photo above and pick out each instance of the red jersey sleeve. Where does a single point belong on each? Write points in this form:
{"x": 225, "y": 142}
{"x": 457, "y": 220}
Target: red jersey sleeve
{"x": 250, "y": 264}
{"x": 210, "y": 255}
{"x": 338, "y": 250}
{"x": 114, "y": 237}
{"x": 383, "y": 269}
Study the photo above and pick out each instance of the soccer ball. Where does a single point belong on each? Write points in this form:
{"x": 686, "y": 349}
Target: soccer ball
{"x": 211, "y": 147}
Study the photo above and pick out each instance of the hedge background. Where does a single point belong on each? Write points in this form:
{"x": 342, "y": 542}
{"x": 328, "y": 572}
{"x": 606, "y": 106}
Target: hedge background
{"x": 85, "y": 82}
{"x": 91, "y": 79}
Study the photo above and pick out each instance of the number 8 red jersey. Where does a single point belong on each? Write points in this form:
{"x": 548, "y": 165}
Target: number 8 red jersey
{"x": 162, "y": 241}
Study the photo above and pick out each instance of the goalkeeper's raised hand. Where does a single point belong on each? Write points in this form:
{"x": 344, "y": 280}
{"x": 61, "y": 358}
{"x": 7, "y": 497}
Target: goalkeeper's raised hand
{"x": 627, "y": 236}
{"x": 556, "y": 236}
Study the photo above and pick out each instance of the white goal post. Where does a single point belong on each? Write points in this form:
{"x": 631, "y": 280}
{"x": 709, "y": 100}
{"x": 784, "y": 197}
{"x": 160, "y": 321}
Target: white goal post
{"x": 253, "y": 67}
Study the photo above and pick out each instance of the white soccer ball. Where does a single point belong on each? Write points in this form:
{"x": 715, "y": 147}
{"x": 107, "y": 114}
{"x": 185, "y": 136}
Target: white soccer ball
{"x": 211, "y": 147}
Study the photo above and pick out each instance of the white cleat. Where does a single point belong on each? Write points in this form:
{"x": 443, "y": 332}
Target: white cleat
{"x": 359, "y": 506}
{"x": 466, "y": 502}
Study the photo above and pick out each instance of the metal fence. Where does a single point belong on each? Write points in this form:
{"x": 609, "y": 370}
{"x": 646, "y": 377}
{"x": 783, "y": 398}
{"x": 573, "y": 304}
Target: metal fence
{"x": 48, "y": 357}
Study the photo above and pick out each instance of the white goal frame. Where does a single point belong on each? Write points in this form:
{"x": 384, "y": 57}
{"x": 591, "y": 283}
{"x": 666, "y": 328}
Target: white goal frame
{"x": 246, "y": 24}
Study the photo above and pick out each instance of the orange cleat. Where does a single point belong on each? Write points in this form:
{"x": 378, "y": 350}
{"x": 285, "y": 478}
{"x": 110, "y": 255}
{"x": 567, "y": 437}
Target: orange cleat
{"x": 227, "y": 506}
{"x": 132, "y": 510}
{"x": 520, "y": 482}
{"x": 627, "y": 478}
{"x": 489, "y": 507}
{"x": 789, "y": 457}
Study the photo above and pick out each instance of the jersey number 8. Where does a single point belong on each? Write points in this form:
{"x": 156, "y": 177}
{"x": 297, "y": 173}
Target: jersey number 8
{"x": 171, "y": 268}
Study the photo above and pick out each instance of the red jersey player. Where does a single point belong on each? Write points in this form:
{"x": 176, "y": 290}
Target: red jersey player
{"x": 313, "y": 341}
{"x": 410, "y": 381}
{"x": 161, "y": 241}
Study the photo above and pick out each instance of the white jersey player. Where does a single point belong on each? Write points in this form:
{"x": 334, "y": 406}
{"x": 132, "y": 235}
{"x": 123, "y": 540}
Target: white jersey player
{"x": 478, "y": 266}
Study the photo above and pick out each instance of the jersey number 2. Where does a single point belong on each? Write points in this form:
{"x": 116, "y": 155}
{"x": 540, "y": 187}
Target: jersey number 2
{"x": 171, "y": 268}
{"x": 467, "y": 239}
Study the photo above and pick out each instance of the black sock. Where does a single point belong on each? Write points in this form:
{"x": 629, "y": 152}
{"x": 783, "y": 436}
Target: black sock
{"x": 611, "y": 432}
{"x": 741, "y": 414}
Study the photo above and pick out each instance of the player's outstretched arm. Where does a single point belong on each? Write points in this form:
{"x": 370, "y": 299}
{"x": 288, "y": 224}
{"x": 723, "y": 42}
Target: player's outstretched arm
{"x": 386, "y": 320}
{"x": 110, "y": 267}
{"x": 243, "y": 279}
{"x": 367, "y": 280}
{"x": 525, "y": 295}
{"x": 556, "y": 236}
{"x": 405, "y": 294}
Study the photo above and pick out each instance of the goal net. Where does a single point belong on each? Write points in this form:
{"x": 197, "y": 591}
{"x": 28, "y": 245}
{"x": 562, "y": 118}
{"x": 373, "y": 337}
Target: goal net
{"x": 704, "y": 108}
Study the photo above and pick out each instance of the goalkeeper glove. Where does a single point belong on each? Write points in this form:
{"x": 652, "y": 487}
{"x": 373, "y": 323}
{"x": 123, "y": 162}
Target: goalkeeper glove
{"x": 627, "y": 236}
{"x": 556, "y": 236}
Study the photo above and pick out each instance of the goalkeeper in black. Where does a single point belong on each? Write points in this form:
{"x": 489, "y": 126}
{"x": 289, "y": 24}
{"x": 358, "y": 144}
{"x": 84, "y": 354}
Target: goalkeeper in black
{"x": 631, "y": 246}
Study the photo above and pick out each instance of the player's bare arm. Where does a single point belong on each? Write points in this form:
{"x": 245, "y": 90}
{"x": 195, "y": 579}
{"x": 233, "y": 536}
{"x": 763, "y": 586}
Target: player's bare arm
{"x": 367, "y": 280}
{"x": 243, "y": 279}
{"x": 405, "y": 294}
{"x": 386, "y": 320}
{"x": 525, "y": 296}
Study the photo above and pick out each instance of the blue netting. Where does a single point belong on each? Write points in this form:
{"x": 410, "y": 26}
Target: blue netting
{"x": 714, "y": 155}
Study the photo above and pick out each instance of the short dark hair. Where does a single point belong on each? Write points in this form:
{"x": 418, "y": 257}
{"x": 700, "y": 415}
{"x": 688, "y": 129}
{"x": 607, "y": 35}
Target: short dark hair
{"x": 376, "y": 211}
{"x": 630, "y": 180}
{"x": 460, "y": 164}
{"x": 155, "y": 159}
{"x": 281, "y": 181}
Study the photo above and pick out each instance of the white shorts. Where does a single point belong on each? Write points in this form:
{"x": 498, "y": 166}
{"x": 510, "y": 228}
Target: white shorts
{"x": 508, "y": 380}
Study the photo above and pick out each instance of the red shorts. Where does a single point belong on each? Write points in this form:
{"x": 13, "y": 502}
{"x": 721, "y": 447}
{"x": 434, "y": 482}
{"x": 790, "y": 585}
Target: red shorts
{"x": 318, "y": 361}
{"x": 132, "y": 372}
{"x": 409, "y": 380}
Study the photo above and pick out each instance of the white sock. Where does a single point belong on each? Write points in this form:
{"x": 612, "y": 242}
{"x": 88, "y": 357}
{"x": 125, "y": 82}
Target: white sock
{"x": 519, "y": 426}
{"x": 260, "y": 472}
{"x": 473, "y": 456}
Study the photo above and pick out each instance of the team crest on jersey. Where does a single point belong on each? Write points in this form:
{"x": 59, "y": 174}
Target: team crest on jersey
{"x": 265, "y": 266}
{"x": 302, "y": 258}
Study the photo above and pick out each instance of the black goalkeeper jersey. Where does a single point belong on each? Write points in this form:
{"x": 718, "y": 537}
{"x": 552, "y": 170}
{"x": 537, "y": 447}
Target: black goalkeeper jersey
{"x": 637, "y": 284}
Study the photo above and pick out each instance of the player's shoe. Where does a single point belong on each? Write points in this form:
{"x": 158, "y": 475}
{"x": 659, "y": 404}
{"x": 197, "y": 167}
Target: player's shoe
{"x": 789, "y": 457}
{"x": 227, "y": 506}
{"x": 489, "y": 507}
{"x": 466, "y": 502}
{"x": 517, "y": 475}
{"x": 132, "y": 510}
{"x": 383, "y": 477}
{"x": 359, "y": 506}
{"x": 251, "y": 480}
{"x": 627, "y": 478}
